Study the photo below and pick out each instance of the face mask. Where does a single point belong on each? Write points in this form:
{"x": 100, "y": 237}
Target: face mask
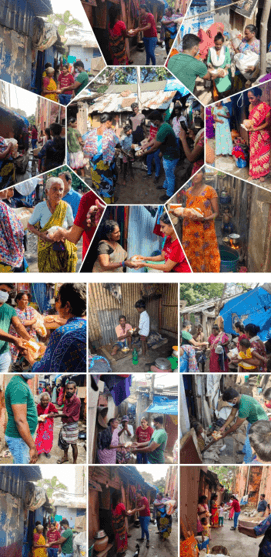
{"x": 231, "y": 404}
{"x": 28, "y": 375}
{"x": 4, "y": 296}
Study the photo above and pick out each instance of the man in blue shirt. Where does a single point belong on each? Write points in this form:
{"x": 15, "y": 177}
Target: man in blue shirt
{"x": 262, "y": 504}
{"x": 70, "y": 195}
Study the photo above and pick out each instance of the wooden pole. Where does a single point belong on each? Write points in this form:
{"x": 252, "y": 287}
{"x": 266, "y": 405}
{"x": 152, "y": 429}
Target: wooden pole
{"x": 138, "y": 88}
{"x": 263, "y": 34}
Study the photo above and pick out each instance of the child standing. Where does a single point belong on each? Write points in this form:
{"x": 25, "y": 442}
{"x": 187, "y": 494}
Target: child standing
{"x": 144, "y": 325}
{"x": 74, "y": 145}
{"x": 206, "y": 528}
{"x": 221, "y": 515}
{"x": 126, "y": 144}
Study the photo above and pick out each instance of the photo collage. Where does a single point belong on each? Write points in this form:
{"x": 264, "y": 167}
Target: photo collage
{"x": 135, "y": 137}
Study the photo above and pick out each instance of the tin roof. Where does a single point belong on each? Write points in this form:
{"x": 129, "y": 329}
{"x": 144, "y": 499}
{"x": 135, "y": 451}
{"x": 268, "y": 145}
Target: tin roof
{"x": 121, "y": 102}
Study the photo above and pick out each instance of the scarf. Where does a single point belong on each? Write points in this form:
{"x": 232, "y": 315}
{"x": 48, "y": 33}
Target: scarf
{"x": 217, "y": 60}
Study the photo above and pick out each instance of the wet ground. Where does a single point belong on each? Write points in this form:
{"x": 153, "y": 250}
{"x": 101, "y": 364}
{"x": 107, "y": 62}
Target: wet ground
{"x": 125, "y": 365}
{"x": 56, "y": 452}
{"x": 227, "y": 164}
{"x": 238, "y": 545}
{"x": 31, "y": 253}
{"x": 167, "y": 548}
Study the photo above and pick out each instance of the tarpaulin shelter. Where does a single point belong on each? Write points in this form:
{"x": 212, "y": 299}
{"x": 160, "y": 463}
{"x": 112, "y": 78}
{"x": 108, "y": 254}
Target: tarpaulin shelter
{"x": 163, "y": 405}
{"x": 250, "y": 307}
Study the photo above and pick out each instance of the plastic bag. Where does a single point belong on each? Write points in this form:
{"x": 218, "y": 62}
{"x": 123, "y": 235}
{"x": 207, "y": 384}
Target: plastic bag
{"x": 246, "y": 60}
{"x": 189, "y": 548}
{"x": 39, "y": 325}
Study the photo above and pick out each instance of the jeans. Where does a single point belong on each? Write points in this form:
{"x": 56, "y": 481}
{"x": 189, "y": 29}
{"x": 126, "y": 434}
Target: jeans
{"x": 247, "y": 450}
{"x": 52, "y": 552}
{"x": 141, "y": 458}
{"x": 169, "y": 168}
{"x": 5, "y": 361}
{"x": 150, "y": 44}
{"x": 144, "y": 523}
{"x": 220, "y": 520}
{"x": 64, "y": 99}
{"x": 19, "y": 449}
{"x": 66, "y": 554}
{"x": 157, "y": 162}
{"x": 235, "y": 519}
{"x": 34, "y": 143}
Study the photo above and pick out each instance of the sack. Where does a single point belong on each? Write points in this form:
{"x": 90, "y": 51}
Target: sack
{"x": 189, "y": 547}
{"x": 245, "y": 60}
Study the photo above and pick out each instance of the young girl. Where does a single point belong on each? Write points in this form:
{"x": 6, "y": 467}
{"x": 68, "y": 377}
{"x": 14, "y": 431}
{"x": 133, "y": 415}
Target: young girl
{"x": 75, "y": 142}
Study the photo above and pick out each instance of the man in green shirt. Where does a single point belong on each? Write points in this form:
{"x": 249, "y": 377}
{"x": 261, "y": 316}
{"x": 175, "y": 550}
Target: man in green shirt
{"x": 165, "y": 140}
{"x": 8, "y": 316}
{"x": 81, "y": 80}
{"x": 66, "y": 540}
{"x": 156, "y": 447}
{"x": 187, "y": 338}
{"x": 185, "y": 66}
{"x": 22, "y": 420}
{"x": 244, "y": 407}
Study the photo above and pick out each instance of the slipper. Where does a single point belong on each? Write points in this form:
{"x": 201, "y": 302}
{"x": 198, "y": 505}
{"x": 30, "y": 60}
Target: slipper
{"x": 61, "y": 460}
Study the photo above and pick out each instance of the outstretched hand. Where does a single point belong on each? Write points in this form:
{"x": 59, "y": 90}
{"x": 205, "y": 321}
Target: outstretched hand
{"x": 94, "y": 213}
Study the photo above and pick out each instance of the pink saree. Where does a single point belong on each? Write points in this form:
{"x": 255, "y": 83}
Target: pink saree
{"x": 260, "y": 142}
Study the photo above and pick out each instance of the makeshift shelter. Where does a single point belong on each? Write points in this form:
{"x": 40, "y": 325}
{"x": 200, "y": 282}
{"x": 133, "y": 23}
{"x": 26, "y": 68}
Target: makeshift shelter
{"x": 250, "y": 307}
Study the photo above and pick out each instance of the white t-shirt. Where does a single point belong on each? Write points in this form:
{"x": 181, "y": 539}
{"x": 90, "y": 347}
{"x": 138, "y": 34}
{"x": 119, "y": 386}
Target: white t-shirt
{"x": 221, "y": 511}
{"x": 124, "y": 437}
{"x": 144, "y": 324}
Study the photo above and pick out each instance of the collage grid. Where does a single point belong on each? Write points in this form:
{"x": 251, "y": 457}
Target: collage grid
{"x": 135, "y": 138}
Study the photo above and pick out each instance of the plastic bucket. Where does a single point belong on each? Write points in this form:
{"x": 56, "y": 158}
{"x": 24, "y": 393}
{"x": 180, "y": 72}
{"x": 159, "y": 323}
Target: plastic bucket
{"x": 229, "y": 259}
{"x": 241, "y": 163}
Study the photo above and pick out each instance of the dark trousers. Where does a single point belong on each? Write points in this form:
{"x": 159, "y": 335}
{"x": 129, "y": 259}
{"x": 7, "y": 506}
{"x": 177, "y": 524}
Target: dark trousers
{"x": 125, "y": 169}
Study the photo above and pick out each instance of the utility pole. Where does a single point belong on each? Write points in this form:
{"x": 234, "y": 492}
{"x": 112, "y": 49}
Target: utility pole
{"x": 138, "y": 88}
{"x": 263, "y": 35}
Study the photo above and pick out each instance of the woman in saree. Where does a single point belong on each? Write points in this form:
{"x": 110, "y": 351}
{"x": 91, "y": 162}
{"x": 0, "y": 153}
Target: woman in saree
{"x": 111, "y": 257}
{"x": 169, "y": 27}
{"x": 53, "y": 256}
{"x": 203, "y": 510}
{"x": 163, "y": 519}
{"x": 28, "y": 317}
{"x": 218, "y": 358}
{"x": 172, "y": 258}
{"x": 199, "y": 236}
{"x": 7, "y": 166}
{"x": 214, "y": 511}
{"x": 188, "y": 361}
{"x": 223, "y": 140}
{"x": 45, "y": 432}
{"x": 108, "y": 443}
{"x": 39, "y": 544}
{"x": 117, "y": 35}
{"x": 251, "y": 332}
{"x": 11, "y": 237}
{"x": 248, "y": 44}
{"x": 49, "y": 86}
{"x": 119, "y": 514}
{"x": 219, "y": 59}
{"x": 99, "y": 147}
{"x": 259, "y": 135}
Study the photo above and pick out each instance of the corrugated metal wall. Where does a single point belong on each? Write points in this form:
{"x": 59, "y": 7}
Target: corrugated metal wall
{"x": 104, "y": 310}
{"x": 17, "y": 15}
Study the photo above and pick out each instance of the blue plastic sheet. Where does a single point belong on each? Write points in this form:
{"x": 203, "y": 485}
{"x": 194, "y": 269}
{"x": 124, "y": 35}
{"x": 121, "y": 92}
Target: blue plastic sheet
{"x": 251, "y": 307}
{"x": 163, "y": 405}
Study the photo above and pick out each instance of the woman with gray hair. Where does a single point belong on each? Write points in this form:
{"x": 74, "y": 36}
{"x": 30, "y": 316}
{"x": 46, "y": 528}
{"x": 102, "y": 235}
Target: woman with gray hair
{"x": 53, "y": 213}
{"x": 45, "y": 432}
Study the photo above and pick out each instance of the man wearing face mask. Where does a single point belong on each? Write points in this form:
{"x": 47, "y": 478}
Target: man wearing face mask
{"x": 244, "y": 407}
{"x": 187, "y": 338}
{"x": 185, "y": 65}
{"x": 70, "y": 417}
{"x": 9, "y": 317}
{"x": 22, "y": 420}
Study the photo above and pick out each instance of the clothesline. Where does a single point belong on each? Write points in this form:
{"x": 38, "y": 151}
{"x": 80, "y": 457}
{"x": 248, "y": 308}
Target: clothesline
{"x": 214, "y": 10}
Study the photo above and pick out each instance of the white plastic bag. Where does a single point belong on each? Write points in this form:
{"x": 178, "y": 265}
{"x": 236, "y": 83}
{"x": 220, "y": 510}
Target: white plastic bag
{"x": 246, "y": 60}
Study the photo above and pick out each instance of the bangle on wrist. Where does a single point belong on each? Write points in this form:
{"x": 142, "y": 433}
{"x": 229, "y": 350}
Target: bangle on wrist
{"x": 123, "y": 264}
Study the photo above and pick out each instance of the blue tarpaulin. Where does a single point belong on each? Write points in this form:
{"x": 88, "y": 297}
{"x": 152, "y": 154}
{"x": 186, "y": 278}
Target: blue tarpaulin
{"x": 164, "y": 405}
{"x": 175, "y": 85}
{"x": 251, "y": 307}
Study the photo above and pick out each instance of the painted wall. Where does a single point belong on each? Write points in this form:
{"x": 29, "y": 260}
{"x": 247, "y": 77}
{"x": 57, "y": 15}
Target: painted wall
{"x": 11, "y": 525}
{"x": 84, "y": 54}
{"x": 15, "y": 57}
{"x": 69, "y": 514}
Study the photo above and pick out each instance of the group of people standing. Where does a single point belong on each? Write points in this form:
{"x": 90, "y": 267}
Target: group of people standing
{"x": 56, "y": 536}
{"x": 66, "y": 85}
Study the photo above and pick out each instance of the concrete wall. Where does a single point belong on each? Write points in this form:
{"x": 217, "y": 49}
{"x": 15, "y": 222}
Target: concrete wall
{"x": 11, "y": 525}
{"x": 259, "y": 245}
{"x": 15, "y": 57}
{"x": 189, "y": 493}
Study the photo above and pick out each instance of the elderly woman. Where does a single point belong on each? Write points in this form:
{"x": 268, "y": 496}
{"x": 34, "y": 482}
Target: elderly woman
{"x": 54, "y": 212}
{"x": 248, "y": 44}
{"x": 258, "y": 126}
{"x": 66, "y": 349}
{"x": 52, "y": 153}
{"x": 218, "y": 342}
{"x": 108, "y": 443}
{"x": 199, "y": 236}
{"x": 172, "y": 257}
{"x": 169, "y": 27}
{"x": 11, "y": 237}
{"x": 7, "y": 167}
{"x": 100, "y": 146}
{"x": 111, "y": 257}
{"x": 39, "y": 544}
{"x": 45, "y": 432}
{"x": 27, "y": 316}
{"x": 49, "y": 86}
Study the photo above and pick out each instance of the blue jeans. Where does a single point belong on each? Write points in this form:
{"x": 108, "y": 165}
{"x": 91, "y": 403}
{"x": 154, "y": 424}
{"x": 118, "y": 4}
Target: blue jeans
{"x": 247, "y": 450}
{"x": 64, "y": 99}
{"x": 66, "y": 554}
{"x": 141, "y": 458}
{"x": 144, "y": 523}
{"x": 34, "y": 143}
{"x": 169, "y": 168}
{"x": 235, "y": 519}
{"x": 52, "y": 552}
{"x": 19, "y": 449}
{"x": 150, "y": 44}
{"x": 157, "y": 162}
{"x": 5, "y": 361}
